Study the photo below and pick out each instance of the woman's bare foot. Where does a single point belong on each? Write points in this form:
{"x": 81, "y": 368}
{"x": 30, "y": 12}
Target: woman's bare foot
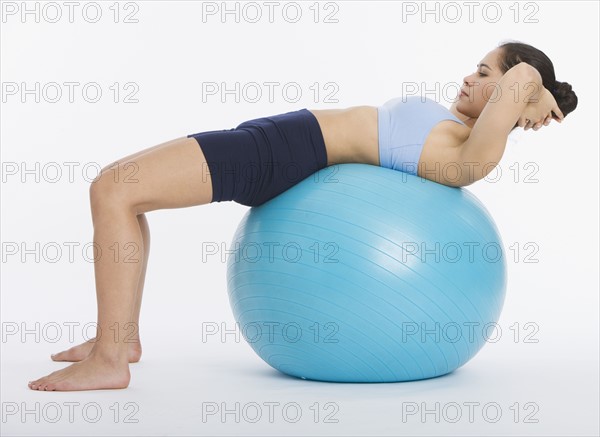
{"x": 92, "y": 373}
{"x": 80, "y": 352}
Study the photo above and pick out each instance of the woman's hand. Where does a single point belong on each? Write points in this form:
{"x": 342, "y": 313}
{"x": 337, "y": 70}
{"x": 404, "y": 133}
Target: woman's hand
{"x": 541, "y": 112}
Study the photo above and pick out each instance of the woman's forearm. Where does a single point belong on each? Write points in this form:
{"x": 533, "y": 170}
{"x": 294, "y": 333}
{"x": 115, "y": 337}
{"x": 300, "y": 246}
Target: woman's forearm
{"x": 533, "y": 88}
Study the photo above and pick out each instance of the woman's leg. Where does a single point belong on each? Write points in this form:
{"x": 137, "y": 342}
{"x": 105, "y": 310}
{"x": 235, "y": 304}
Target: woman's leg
{"x": 173, "y": 176}
{"x": 79, "y": 352}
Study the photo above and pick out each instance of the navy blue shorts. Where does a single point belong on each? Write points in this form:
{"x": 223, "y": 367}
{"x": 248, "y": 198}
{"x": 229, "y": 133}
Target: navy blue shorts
{"x": 261, "y": 158}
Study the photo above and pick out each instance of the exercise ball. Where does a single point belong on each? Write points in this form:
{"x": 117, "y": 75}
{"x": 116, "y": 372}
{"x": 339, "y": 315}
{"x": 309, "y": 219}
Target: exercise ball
{"x": 360, "y": 273}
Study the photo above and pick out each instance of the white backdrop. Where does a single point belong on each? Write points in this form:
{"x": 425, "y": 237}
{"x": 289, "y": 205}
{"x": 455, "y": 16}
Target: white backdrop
{"x": 155, "y": 64}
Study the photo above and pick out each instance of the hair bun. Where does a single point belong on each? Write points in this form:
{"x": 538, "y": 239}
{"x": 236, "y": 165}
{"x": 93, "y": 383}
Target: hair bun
{"x": 565, "y": 96}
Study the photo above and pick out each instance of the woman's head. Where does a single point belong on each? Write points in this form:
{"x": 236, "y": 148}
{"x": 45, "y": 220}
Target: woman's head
{"x": 514, "y": 52}
{"x": 497, "y": 62}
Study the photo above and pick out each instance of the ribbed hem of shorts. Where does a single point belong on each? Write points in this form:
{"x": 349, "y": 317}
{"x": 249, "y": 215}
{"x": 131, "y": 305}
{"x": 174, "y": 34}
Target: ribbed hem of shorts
{"x": 319, "y": 141}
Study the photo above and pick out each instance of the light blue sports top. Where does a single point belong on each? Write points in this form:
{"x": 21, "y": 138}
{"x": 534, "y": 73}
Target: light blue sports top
{"x": 403, "y": 126}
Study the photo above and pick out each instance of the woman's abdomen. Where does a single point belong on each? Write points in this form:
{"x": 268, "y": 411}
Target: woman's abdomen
{"x": 350, "y": 134}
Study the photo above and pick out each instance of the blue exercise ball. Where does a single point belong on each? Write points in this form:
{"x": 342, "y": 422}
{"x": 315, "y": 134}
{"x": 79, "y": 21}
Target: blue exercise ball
{"x": 361, "y": 273}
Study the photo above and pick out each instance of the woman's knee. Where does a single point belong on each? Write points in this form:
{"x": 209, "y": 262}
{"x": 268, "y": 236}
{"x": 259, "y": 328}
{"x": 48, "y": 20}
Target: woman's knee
{"x": 113, "y": 185}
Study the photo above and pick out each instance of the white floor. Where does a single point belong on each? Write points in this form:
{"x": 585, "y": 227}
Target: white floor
{"x": 224, "y": 389}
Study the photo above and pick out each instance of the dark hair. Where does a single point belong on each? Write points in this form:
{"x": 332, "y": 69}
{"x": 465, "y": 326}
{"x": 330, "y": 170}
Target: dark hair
{"x": 515, "y": 52}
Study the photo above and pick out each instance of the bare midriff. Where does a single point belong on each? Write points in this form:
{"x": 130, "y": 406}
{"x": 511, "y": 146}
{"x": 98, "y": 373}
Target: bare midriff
{"x": 351, "y": 135}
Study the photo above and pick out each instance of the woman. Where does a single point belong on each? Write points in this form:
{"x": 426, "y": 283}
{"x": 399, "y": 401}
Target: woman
{"x": 263, "y": 157}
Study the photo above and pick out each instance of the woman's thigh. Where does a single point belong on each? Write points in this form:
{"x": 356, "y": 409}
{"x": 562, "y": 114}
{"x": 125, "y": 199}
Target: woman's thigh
{"x": 173, "y": 174}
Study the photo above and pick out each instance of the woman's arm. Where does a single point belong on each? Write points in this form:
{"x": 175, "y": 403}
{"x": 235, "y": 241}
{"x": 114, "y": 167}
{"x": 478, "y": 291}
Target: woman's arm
{"x": 484, "y": 148}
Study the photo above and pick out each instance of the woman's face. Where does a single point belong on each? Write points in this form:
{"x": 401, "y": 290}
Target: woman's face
{"x": 480, "y": 85}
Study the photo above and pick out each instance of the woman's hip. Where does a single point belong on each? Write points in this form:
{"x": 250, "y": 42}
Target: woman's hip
{"x": 263, "y": 157}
